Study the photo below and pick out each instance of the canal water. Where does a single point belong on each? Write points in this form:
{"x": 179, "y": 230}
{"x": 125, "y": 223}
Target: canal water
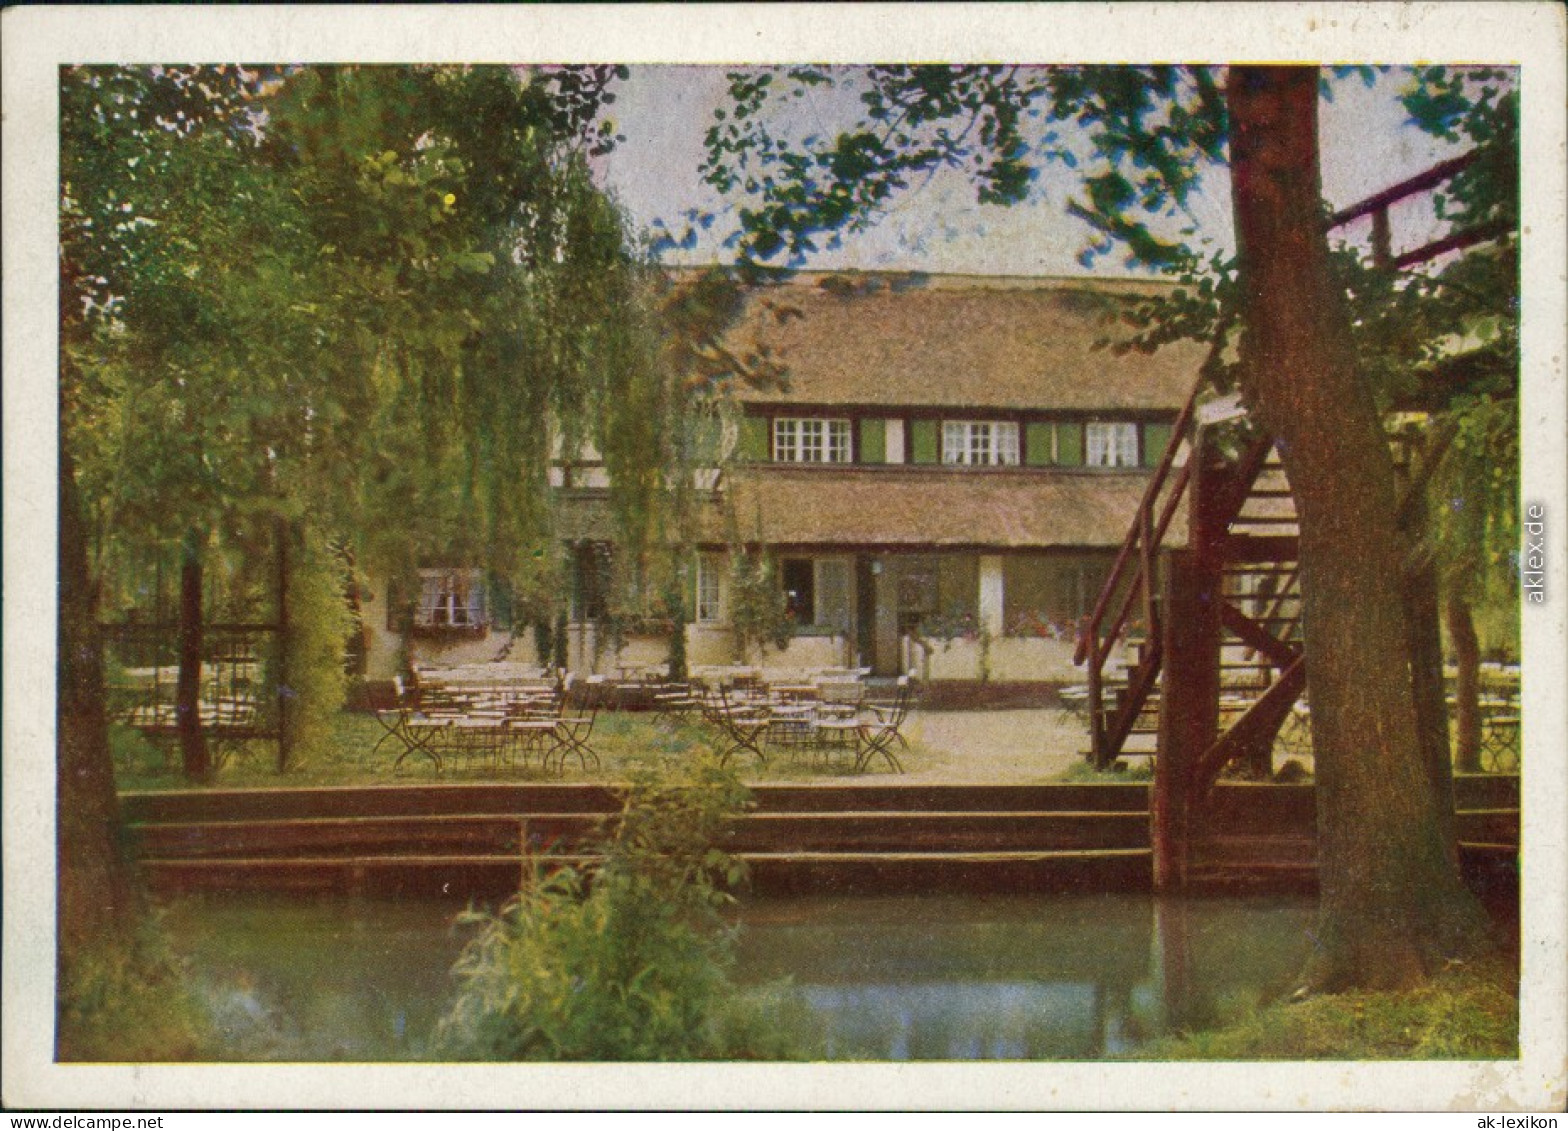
{"x": 886, "y": 978}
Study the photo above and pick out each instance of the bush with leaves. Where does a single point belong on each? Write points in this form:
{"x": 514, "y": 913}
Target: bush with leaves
{"x": 130, "y": 1000}
{"x": 625, "y": 959}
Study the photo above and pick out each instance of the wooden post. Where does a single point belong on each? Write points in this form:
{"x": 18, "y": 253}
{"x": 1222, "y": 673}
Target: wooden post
{"x": 1189, "y": 707}
{"x": 1096, "y": 706}
{"x": 187, "y": 691}
{"x": 285, "y": 692}
{"x": 1173, "y": 949}
{"x": 1382, "y": 241}
{"x": 1146, "y": 568}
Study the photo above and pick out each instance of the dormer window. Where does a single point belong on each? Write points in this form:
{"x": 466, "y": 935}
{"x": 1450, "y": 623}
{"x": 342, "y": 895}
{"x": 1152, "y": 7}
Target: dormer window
{"x": 1111, "y": 445}
{"x": 980, "y": 443}
{"x": 810, "y": 440}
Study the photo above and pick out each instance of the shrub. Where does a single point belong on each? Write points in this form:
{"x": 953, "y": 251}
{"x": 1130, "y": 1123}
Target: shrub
{"x": 629, "y": 959}
{"x": 128, "y": 1000}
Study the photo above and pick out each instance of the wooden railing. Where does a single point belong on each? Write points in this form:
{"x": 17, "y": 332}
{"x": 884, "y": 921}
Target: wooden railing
{"x": 1135, "y": 563}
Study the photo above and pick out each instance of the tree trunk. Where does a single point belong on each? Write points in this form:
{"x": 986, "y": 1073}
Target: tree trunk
{"x": 96, "y": 895}
{"x": 1467, "y": 684}
{"x": 187, "y": 687}
{"x": 1392, "y": 903}
{"x": 1423, "y": 622}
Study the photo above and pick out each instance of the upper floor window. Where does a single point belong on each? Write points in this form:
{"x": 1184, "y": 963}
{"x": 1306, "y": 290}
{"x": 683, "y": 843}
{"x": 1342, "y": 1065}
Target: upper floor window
{"x": 980, "y": 442}
{"x": 1111, "y": 445}
{"x": 805, "y": 440}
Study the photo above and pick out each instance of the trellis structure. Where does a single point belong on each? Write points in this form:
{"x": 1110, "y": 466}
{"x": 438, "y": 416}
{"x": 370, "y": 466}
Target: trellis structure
{"x": 228, "y": 660}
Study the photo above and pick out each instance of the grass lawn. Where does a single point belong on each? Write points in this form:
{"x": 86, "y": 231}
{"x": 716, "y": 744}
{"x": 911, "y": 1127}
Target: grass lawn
{"x": 623, "y": 741}
{"x": 1469, "y": 1012}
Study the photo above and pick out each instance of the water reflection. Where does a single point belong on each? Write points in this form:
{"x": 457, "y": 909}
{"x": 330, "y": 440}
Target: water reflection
{"x": 1022, "y": 977}
{"x": 896, "y": 978}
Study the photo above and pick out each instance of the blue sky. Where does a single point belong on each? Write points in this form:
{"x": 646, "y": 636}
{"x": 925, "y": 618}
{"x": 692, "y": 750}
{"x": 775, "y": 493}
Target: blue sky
{"x": 663, "y": 112}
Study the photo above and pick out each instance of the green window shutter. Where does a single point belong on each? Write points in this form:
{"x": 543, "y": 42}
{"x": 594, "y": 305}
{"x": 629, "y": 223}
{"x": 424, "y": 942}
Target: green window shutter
{"x": 754, "y": 443}
{"x": 873, "y": 441}
{"x": 1069, "y": 444}
{"x": 707, "y": 439}
{"x": 1037, "y": 444}
{"x": 922, "y": 435}
{"x": 1155, "y": 439}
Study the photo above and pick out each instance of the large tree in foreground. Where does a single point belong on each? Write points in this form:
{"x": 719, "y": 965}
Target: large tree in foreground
{"x": 1393, "y": 906}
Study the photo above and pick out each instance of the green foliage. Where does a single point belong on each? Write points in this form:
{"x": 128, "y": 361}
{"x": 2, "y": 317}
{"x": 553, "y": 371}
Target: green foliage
{"x": 379, "y": 297}
{"x": 757, "y": 609}
{"x": 1140, "y": 769}
{"x": 1150, "y": 131}
{"x": 625, "y": 960}
{"x": 129, "y": 1001}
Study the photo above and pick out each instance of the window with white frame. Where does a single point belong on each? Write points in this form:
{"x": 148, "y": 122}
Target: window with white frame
{"x": 810, "y": 440}
{"x": 983, "y": 443}
{"x": 1111, "y": 445}
{"x": 708, "y": 609}
{"x": 450, "y": 598}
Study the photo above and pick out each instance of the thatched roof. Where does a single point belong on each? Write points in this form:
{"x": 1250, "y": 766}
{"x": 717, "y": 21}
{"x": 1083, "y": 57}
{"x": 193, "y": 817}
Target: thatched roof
{"x": 966, "y": 341}
{"x": 905, "y": 506}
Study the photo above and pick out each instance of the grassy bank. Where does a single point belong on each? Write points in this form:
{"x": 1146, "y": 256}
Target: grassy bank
{"x": 348, "y": 755}
{"x": 1469, "y": 1012}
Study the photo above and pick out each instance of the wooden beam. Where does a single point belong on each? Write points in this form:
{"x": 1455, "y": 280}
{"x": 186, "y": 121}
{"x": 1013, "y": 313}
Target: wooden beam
{"x": 1433, "y": 177}
{"x": 1260, "y": 723}
{"x": 1279, "y": 652}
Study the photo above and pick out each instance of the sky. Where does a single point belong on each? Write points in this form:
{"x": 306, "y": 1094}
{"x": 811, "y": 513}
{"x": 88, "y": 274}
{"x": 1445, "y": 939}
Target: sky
{"x": 663, "y": 112}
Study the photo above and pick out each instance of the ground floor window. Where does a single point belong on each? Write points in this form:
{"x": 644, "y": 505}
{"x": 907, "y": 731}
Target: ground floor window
{"x": 590, "y": 581}
{"x": 819, "y": 593}
{"x": 1049, "y": 594}
{"x": 708, "y": 609}
{"x": 450, "y": 598}
{"x": 937, "y": 594}
{"x": 798, "y": 577}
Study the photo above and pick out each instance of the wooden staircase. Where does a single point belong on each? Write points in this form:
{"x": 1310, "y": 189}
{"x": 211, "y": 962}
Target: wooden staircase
{"x": 1242, "y": 524}
{"x": 1243, "y": 515}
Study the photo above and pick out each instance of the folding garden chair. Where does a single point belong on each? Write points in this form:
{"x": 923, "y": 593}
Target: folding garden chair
{"x": 574, "y": 727}
{"x": 880, "y": 736}
{"x": 742, "y": 726}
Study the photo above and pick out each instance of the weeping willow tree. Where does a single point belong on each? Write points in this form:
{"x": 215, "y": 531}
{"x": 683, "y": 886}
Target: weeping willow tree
{"x": 356, "y": 304}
